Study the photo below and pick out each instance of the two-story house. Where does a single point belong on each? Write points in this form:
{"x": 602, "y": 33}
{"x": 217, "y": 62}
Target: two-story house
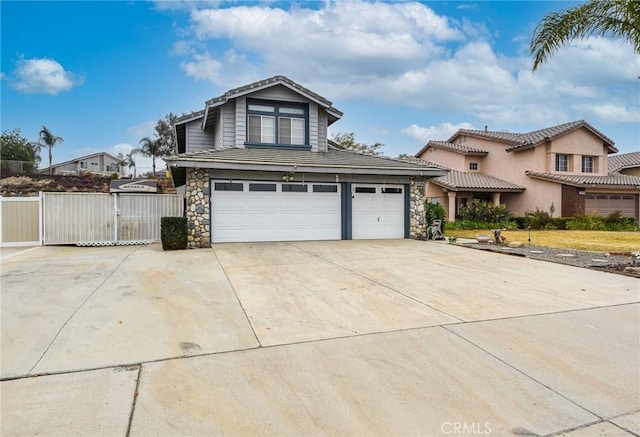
{"x": 257, "y": 165}
{"x": 100, "y": 163}
{"x": 565, "y": 166}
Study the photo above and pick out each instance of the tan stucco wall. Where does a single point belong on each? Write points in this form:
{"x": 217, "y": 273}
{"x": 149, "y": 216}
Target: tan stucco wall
{"x": 631, "y": 171}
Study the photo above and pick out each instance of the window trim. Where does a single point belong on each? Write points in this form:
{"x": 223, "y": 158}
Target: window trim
{"x": 566, "y": 162}
{"x": 591, "y": 164}
{"x": 277, "y": 114}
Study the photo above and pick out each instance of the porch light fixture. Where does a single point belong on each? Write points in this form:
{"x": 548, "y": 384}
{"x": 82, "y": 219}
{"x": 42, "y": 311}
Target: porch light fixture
{"x": 287, "y": 177}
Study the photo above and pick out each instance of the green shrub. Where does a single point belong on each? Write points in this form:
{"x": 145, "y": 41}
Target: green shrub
{"x": 173, "y": 233}
{"x": 537, "y": 219}
{"x": 434, "y": 211}
{"x": 479, "y": 211}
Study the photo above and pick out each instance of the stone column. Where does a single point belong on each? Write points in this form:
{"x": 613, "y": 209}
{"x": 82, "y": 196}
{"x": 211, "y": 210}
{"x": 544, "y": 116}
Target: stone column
{"x": 496, "y": 199}
{"x": 417, "y": 197}
{"x": 198, "y": 205}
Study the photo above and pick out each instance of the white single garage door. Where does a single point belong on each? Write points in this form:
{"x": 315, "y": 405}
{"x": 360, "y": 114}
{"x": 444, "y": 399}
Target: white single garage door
{"x": 603, "y": 204}
{"x": 377, "y": 211}
{"x": 274, "y": 211}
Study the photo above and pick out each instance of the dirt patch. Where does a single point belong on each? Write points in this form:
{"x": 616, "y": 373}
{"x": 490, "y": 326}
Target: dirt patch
{"x": 614, "y": 262}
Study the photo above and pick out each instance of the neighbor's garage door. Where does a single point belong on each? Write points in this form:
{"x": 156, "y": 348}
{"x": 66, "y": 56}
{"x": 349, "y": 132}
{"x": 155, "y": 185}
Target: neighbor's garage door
{"x": 274, "y": 211}
{"x": 605, "y": 204}
{"x": 377, "y": 211}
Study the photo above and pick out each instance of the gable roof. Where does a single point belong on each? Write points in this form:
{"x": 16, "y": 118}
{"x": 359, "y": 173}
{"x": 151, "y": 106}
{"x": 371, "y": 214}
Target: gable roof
{"x": 454, "y": 147}
{"x": 461, "y": 181}
{"x": 612, "y": 180}
{"x": 334, "y": 114}
{"x": 625, "y": 160}
{"x": 83, "y": 158}
{"x": 298, "y": 161}
{"x": 523, "y": 141}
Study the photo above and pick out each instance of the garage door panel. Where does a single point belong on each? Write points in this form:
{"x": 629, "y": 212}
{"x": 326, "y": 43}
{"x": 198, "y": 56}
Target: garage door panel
{"x": 377, "y": 214}
{"x": 604, "y": 204}
{"x": 258, "y": 215}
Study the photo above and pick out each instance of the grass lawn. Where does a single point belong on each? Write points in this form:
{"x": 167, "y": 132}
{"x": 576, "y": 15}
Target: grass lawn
{"x": 596, "y": 241}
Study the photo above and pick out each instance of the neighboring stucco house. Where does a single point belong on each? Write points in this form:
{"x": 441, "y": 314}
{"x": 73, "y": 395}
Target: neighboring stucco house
{"x": 566, "y": 166}
{"x": 625, "y": 163}
{"x": 257, "y": 166}
{"x": 97, "y": 163}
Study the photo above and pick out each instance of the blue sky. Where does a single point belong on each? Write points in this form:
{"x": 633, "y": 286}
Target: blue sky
{"x": 100, "y": 74}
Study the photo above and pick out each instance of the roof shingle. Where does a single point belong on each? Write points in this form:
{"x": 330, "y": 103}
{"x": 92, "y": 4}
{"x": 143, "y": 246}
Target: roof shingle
{"x": 337, "y": 161}
{"x": 622, "y": 161}
{"x": 613, "y": 179}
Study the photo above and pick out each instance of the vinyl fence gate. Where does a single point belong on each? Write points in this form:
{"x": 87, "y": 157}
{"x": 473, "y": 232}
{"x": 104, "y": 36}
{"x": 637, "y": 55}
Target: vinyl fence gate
{"x": 100, "y": 219}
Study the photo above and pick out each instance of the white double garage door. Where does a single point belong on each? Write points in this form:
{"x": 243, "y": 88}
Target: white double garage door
{"x": 243, "y": 211}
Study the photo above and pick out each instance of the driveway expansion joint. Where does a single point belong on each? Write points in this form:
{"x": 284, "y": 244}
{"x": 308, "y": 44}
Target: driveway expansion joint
{"x": 83, "y": 303}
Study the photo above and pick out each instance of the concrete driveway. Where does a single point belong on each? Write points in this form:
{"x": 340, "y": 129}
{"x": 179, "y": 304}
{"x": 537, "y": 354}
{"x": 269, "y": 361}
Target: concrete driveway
{"x": 314, "y": 338}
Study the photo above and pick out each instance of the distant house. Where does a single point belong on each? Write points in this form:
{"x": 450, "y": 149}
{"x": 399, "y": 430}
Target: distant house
{"x": 567, "y": 166}
{"x": 257, "y": 166}
{"x": 101, "y": 163}
{"x": 626, "y": 163}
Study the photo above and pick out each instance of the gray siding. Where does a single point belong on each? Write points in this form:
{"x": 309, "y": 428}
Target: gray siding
{"x": 240, "y": 122}
{"x": 313, "y": 126}
{"x": 228, "y": 117}
{"x": 278, "y": 93}
{"x": 197, "y": 139}
{"x": 218, "y": 130}
{"x": 322, "y": 131}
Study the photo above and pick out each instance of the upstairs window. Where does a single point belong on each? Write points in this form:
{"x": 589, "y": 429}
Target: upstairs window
{"x": 83, "y": 164}
{"x": 277, "y": 123}
{"x": 587, "y": 164}
{"x": 562, "y": 163}
{"x": 473, "y": 166}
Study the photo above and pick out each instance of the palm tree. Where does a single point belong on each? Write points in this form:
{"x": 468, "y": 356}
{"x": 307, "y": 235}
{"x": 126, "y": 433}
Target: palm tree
{"x": 150, "y": 148}
{"x": 130, "y": 162}
{"x": 617, "y": 18}
{"x": 49, "y": 140}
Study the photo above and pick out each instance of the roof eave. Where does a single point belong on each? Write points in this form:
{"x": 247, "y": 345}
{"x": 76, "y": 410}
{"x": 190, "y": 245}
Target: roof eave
{"x": 221, "y": 165}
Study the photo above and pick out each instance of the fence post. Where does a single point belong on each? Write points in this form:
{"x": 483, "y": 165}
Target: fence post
{"x": 41, "y": 217}
{"x": 116, "y": 220}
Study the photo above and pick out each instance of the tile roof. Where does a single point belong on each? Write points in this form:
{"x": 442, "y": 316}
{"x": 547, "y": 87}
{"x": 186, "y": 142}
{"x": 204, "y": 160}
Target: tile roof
{"x": 333, "y": 161}
{"x": 623, "y": 160}
{"x": 613, "y": 179}
{"x": 459, "y": 180}
{"x": 456, "y": 147}
{"x": 476, "y": 181}
{"x": 521, "y": 141}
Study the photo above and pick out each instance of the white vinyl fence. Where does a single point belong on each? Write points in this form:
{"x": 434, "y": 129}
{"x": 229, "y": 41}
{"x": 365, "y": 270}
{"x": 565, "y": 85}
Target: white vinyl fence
{"x": 85, "y": 219}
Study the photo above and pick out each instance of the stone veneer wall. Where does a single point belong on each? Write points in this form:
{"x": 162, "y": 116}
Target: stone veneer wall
{"x": 417, "y": 197}
{"x": 198, "y": 208}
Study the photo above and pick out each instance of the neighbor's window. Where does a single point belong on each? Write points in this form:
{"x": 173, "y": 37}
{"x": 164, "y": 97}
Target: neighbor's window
{"x": 587, "y": 164}
{"x": 473, "y": 166}
{"x": 277, "y": 123}
{"x": 83, "y": 164}
{"x": 562, "y": 163}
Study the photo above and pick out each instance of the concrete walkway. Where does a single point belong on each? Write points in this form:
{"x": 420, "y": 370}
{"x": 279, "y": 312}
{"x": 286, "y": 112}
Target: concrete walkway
{"x": 314, "y": 338}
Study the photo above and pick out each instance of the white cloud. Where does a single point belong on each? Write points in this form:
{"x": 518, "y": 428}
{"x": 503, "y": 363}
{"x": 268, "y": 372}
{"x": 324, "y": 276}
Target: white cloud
{"x": 43, "y": 75}
{"x": 346, "y": 39}
{"x": 141, "y": 130}
{"x": 143, "y": 163}
{"x": 440, "y": 132}
{"x": 203, "y": 67}
{"x": 403, "y": 53}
